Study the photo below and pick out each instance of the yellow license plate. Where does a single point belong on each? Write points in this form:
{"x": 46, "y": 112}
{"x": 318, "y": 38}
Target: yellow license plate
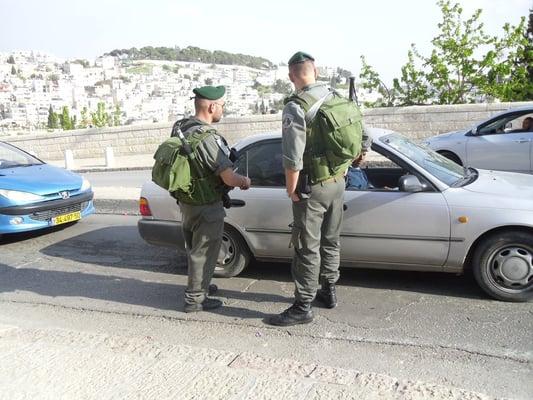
{"x": 63, "y": 219}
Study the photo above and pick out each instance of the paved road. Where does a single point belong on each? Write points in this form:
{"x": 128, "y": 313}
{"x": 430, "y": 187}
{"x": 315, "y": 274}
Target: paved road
{"x": 98, "y": 276}
{"x": 134, "y": 178}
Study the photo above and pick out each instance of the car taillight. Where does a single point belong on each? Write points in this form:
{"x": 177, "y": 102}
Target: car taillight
{"x": 144, "y": 208}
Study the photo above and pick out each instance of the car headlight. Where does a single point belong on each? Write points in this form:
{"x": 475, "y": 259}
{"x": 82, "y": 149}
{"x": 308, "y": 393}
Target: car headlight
{"x": 15, "y": 195}
{"x": 85, "y": 185}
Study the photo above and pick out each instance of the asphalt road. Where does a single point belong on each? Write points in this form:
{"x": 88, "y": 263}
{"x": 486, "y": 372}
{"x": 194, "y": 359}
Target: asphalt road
{"x": 134, "y": 178}
{"x": 99, "y": 276}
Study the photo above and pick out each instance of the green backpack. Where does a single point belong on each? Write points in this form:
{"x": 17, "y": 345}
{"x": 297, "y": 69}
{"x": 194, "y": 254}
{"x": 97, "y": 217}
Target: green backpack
{"x": 334, "y": 134}
{"x": 183, "y": 175}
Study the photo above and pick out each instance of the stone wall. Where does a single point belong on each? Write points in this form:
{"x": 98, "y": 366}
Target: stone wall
{"x": 416, "y": 122}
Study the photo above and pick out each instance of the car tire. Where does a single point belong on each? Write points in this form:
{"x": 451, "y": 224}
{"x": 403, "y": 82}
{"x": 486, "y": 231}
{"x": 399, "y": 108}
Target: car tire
{"x": 234, "y": 254}
{"x": 451, "y": 156}
{"x": 503, "y": 266}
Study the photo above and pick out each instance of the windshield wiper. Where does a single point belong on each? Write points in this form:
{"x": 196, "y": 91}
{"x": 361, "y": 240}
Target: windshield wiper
{"x": 470, "y": 174}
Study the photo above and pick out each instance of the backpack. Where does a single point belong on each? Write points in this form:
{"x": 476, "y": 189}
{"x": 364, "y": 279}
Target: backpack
{"x": 171, "y": 169}
{"x": 182, "y": 174}
{"x": 334, "y": 134}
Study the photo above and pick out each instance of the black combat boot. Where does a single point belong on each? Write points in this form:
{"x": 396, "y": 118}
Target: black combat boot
{"x": 207, "y": 304}
{"x": 327, "y": 295}
{"x": 212, "y": 289}
{"x": 298, "y": 313}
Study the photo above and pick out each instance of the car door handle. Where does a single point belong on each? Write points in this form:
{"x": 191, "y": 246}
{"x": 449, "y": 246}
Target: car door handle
{"x": 521, "y": 140}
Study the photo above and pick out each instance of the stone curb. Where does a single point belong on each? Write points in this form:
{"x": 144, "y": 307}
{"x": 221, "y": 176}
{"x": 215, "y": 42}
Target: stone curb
{"x": 62, "y": 363}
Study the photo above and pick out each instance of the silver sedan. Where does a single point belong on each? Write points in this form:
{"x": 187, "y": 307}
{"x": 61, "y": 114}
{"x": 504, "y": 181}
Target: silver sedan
{"x": 423, "y": 212}
{"x": 503, "y": 142}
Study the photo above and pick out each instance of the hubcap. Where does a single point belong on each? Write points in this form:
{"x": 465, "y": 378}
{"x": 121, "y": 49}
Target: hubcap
{"x": 227, "y": 252}
{"x": 512, "y": 266}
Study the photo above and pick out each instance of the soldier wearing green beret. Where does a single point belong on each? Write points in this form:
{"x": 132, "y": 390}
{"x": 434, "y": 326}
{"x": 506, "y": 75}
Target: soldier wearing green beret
{"x": 317, "y": 215}
{"x": 203, "y": 224}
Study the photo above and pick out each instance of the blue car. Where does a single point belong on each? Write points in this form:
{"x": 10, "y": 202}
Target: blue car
{"x": 35, "y": 195}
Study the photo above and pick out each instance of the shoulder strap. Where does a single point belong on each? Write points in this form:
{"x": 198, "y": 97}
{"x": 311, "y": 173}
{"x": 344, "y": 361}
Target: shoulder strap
{"x": 311, "y": 113}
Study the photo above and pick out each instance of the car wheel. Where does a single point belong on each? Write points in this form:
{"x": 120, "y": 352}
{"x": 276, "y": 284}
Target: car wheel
{"x": 451, "y": 156}
{"x": 234, "y": 255}
{"x": 503, "y": 266}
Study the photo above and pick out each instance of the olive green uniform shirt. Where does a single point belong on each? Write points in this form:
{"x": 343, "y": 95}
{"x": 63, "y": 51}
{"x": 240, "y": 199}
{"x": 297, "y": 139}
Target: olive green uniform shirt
{"x": 293, "y": 128}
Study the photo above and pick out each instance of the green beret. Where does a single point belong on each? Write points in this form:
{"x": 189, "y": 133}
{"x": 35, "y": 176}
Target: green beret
{"x": 300, "y": 57}
{"x": 210, "y": 92}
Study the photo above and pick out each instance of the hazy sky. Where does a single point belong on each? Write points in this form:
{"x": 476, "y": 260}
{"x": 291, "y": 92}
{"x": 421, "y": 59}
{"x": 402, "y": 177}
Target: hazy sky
{"x": 335, "y": 32}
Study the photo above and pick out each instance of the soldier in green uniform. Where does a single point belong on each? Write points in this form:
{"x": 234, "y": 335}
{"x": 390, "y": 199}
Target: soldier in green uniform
{"x": 203, "y": 224}
{"x": 318, "y": 214}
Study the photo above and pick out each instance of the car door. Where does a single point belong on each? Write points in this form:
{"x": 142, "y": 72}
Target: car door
{"x": 501, "y": 151}
{"x": 264, "y": 220}
{"x": 394, "y": 227}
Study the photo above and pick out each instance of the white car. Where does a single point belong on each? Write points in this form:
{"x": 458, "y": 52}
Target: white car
{"x": 499, "y": 142}
{"x": 439, "y": 216}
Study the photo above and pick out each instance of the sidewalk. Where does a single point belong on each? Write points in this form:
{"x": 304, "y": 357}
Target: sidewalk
{"x": 64, "y": 364}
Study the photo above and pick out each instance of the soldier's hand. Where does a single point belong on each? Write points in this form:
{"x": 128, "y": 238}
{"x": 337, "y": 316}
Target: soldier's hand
{"x": 246, "y": 183}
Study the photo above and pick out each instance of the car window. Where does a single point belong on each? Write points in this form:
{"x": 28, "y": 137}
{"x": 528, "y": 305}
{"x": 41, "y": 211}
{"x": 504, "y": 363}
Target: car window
{"x": 262, "y": 163}
{"x": 379, "y": 172}
{"x": 437, "y": 165}
{"x": 508, "y": 123}
{"x": 11, "y": 157}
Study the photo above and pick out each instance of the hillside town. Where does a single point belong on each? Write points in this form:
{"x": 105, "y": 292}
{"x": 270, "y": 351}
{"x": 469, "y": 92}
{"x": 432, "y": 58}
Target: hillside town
{"x": 41, "y": 92}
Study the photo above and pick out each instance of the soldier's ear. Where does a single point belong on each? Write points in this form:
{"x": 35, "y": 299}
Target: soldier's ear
{"x": 291, "y": 76}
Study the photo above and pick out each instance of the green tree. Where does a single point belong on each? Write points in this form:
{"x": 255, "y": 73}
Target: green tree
{"x": 53, "y": 119}
{"x": 11, "y": 60}
{"x": 64, "y": 119}
{"x": 73, "y": 122}
{"x": 208, "y": 81}
{"x": 13, "y": 70}
{"x": 465, "y": 65}
{"x": 100, "y": 117}
{"x": 84, "y": 123}
{"x": 281, "y": 86}
{"x": 116, "y": 115}
{"x": 82, "y": 62}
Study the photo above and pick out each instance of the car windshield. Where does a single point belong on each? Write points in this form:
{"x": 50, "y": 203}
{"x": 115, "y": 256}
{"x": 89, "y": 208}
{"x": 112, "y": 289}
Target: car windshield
{"x": 11, "y": 157}
{"x": 445, "y": 170}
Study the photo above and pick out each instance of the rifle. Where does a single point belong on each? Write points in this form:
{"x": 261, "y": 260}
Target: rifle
{"x": 352, "y": 94}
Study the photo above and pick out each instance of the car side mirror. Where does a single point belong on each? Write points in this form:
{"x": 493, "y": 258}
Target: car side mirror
{"x": 410, "y": 183}
{"x": 473, "y": 131}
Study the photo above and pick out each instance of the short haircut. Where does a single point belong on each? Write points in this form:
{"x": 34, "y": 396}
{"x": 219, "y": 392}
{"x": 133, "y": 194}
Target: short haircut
{"x": 303, "y": 68}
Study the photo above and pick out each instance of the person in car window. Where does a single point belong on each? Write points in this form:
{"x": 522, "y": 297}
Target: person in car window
{"x": 527, "y": 124}
{"x": 356, "y": 177}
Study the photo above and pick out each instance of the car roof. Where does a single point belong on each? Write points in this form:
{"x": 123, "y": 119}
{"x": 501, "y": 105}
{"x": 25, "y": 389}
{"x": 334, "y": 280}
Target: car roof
{"x": 374, "y": 133}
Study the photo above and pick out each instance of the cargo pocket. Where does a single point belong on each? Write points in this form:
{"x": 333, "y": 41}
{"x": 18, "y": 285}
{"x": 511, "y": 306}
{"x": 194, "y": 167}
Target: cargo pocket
{"x": 296, "y": 238}
{"x": 213, "y": 214}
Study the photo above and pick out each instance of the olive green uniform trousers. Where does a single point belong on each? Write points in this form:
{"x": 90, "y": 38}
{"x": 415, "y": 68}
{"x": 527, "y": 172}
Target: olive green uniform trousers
{"x": 202, "y": 229}
{"x": 316, "y": 238}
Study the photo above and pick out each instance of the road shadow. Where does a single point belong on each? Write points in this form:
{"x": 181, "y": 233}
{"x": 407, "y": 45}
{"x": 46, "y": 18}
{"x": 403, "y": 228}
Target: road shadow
{"x": 118, "y": 289}
{"x": 122, "y": 247}
{"x": 118, "y": 246}
{"x": 10, "y": 238}
{"x": 435, "y": 283}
